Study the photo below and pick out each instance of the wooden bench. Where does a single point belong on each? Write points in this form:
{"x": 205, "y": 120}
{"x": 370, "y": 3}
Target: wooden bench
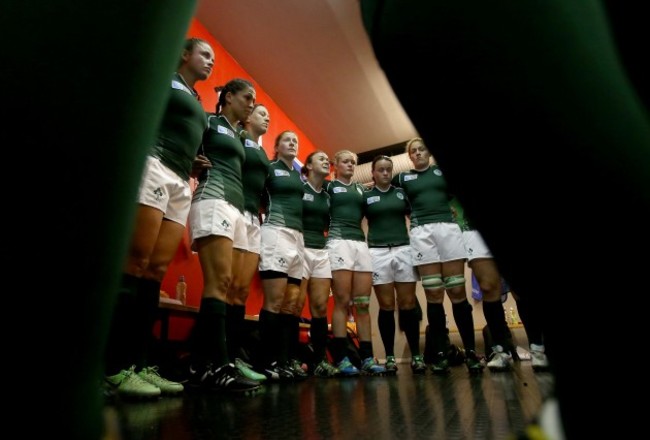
{"x": 170, "y": 307}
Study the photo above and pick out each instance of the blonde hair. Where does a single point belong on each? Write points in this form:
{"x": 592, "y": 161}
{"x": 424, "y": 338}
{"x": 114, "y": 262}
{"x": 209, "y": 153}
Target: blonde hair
{"x": 409, "y": 143}
{"x": 338, "y": 155}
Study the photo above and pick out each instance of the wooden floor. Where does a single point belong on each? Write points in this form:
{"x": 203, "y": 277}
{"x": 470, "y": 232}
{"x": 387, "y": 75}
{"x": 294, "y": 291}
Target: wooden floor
{"x": 457, "y": 406}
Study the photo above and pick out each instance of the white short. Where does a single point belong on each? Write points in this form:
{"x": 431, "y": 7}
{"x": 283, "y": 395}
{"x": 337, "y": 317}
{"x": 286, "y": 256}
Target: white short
{"x": 317, "y": 264}
{"x": 475, "y": 246}
{"x": 217, "y": 217}
{"x": 392, "y": 264}
{"x": 349, "y": 255}
{"x": 253, "y": 232}
{"x": 163, "y": 189}
{"x": 282, "y": 250}
{"x": 437, "y": 243}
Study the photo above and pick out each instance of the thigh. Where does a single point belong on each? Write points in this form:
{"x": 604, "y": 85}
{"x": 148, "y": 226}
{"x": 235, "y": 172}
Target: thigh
{"x": 169, "y": 237}
{"x": 148, "y": 222}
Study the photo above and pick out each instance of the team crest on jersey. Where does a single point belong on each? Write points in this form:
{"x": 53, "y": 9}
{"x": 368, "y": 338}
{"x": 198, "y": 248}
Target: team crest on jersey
{"x": 282, "y": 173}
{"x": 308, "y": 197}
{"x": 400, "y": 195}
{"x": 408, "y": 177}
{"x": 224, "y": 130}
{"x": 250, "y": 144}
{"x": 373, "y": 199}
{"x": 340, "y": 189}
{"x": 437, "y": 172}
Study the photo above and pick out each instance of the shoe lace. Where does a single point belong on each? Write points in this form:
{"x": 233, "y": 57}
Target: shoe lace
{"x": 151, "y": 371}
{"x": 153, "y": 374}
{"x": 134, "y": 378}
{"x": 328, "y": 367}
{"x": 500, "y": 355}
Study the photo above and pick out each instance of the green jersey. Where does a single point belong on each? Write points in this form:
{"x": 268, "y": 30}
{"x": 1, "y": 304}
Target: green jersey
{"x": 460, "y": 217}
{"x": 346, "y": 211}
{"x": 427, "y": 192}
{"x": 181, "y": 129}
{"x": 284, "y": 191}
{"x": 386, "y": 213}
{"x": 221, "y": 144}
{"x": 254, "y": 172}
{"x": 315, "y": 216}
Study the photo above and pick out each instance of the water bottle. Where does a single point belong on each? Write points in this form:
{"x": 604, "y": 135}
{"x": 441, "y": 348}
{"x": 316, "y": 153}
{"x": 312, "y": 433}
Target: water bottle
{"x": 181, "y": 289}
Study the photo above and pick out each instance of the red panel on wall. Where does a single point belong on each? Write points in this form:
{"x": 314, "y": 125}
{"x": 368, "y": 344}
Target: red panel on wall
{"x": 186, "y": 262}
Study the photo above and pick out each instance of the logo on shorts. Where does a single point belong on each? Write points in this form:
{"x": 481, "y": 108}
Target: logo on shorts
{"x": 226, "y": 225}
{"x": 282, "y": 262}
{"x": 340, "y": 260}
{"x": 419, "y": 256}
{"x": 158, "y": 193}
{"x": 375, "y": 276}
{"x": 470, "y": 251}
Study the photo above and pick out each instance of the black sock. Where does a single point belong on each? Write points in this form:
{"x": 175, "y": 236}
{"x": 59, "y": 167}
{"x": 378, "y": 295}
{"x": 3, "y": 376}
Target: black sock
{"x": 270, "y": 335}
{"x": 386, "y": 324}
{"x": 147, "y": 298}
{"x": 411, "y": 325}
{"x": 210, "y": 337}
{"x": 437, "y": 337}
{"x": 318, "y": 332}
{"x": 286, "y": 337}
{"x": 365, "y": 350}
{"x": 339, "y": 349}
{"x": 530, "y": 318}
{"x": 465, "y": 323}
{"x": 294, "y": 339}
{"x": 120, "y": 348}
{"x": 496, "y": 321}
{"x": 235, "y": 316}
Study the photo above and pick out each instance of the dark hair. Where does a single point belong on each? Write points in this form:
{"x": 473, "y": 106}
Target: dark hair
{"x": 191, "y": 43}
{"x": 304, "y": 170}
{"x": 233, "y": 86}
{"x": 378, "y": 158}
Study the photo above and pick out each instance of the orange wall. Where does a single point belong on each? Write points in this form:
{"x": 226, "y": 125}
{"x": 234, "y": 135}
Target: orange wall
{"x": 186, "y": 263}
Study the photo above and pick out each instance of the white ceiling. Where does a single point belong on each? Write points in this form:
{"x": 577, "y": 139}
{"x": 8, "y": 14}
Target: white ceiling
{"x": 315, "y": 61}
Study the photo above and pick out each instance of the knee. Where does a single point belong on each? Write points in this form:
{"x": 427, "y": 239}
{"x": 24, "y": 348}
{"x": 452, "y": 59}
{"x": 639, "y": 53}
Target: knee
{"x": 318, "y": 310}
{"x": 454, "y": 281}
{"x": 362, "y": 304}
{"x": 432, "y": 282}
{"x": 491, "y": 289}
